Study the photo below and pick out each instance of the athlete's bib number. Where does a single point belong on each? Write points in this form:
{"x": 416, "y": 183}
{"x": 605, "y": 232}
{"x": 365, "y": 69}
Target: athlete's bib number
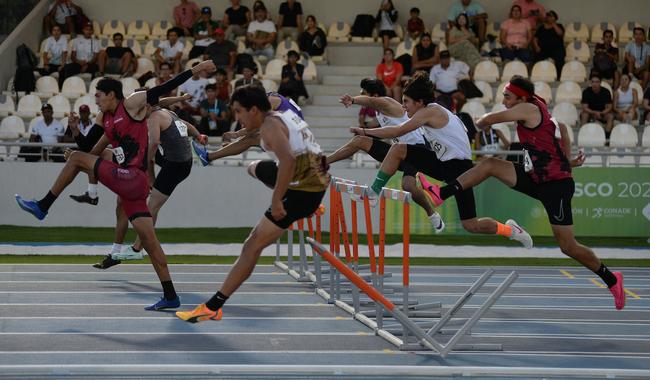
{"x": 294, "y": 104}
{"x": 118, "y": 153}
{"x": 438, "y": 148}
{"x": 182, "y": 128}
{"x": 528, "y": 163}
{"x": 490, "y": 147}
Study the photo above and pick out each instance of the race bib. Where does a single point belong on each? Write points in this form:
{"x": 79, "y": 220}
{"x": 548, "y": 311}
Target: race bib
{"x": 118, "y": 153}
{"x": 182, "y": 128}
{"x": 490, "y": 147}
{"x": 438, "y": 148}
{"x": 294, "y": 104}
{"x": 160, "y": 149}
{"x": 528, "y": 163}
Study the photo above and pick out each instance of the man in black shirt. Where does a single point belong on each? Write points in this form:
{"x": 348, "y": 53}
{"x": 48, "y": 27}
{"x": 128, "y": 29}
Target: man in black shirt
{"x": 236, "y": 20}
{"x": 597, "y": 104}
{"x": 222, "y": 52}
{"x": 117, "y": 59}
{"x": 290, "y": 20}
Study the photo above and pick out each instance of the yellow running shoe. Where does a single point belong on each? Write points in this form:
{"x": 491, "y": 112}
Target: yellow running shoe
{"x": 199, "y": 314}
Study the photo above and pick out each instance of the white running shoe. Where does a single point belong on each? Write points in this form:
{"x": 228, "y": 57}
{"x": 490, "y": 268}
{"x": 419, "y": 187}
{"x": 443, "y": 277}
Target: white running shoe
{"x": 128, "y": 254}
{"x": 436, "y": 222}
{"x": 520, "y": 234}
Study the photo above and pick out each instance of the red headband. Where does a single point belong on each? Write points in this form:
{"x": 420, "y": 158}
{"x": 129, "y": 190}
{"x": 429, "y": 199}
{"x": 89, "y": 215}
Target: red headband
{"x": 520, "y": 92}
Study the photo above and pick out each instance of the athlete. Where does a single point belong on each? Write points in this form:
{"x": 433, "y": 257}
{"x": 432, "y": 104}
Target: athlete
{"x": 545, "y": 175}
{"x": 299, "y": 180}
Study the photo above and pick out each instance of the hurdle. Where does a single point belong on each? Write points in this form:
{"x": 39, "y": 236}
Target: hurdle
{"x": 303, "y": 273}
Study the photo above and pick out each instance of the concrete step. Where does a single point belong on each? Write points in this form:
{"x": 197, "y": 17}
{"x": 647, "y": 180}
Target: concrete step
{"x": 331, "y": 133}
{"x": 343, "y": 80}
{"x": 329, "y": 145}
{"x": 345, "y": 70}
{"x": 351, "y": 54}
{"x": 326, "y": 100}
{"x": 335, "y": 111}
{"x": 324, "y": 121}
{"x": 313, "y": 89}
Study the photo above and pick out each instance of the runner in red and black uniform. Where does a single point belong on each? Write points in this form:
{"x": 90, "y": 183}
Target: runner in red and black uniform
{"x": 545, "y": 174}
{"x": 123, "y": 170}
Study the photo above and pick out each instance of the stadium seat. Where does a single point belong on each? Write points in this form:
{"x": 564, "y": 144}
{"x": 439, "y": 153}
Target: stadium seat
{"x": 274, "y": 70}
{"x": 493, "y": 28}
{"x": 159, "y": 29}
{"x": 442, "y": 46}
{"x": 579, "y": 51}
{"x": 591, "y": 135}
{"x": 46, "y": 86}
{"x": 626, "y": 32}
{"x": 566, "y": 113}
{"x": 188, "y": 64}
{"x": 624, "y": 136}
{"x": 113, "y": 26}
{"x": 88, "y": 100}
{"x": 639, "y": 90}
{"x": 399, "y": 31}
{"x": 187, "y": 47}
{"x": 12, "y": 128}
{"x": 375, "y": 33}
{"x": 60, "y": 104}
{"x": 543, "y": 71}
{"x": 573, "y": 71}
{"x": 568, "y": 92}
{"x": 605, "y": 84}
{"x": 310, "y": 73}
{"x": 498, "y": 98}
{"x": 31, "y": 125}
{"x": 73, "y": 87}
{"x": 241, "y": 46}
{"x": 597, "y": 31}
{"x": 64, "y": 122}
{"x": 269, "y": 85}
{"x": 144, "y": 64}
{"x": 644, "y": 161}
{"x": 486, "y": 89}
{"x": 621, "y": 159}
{"x": 645, "y": 138}
{"x": 150, "y": 83}
{"x": 129, "y": 85}
{"x": 92, "y": 87}
{"x": 487, "y": 71}
{"x": 474, "y": 108}
{"x": 134, "y": 45}
{"x": 405, "y": 47}
{"x": 576, "y": 31}
{"x": 486, "y": 48}
{"x": 97, "y": 30}
{"x": 505, "y": 126}
{"x": 284, "y": 47}
{"x": 514, "y": 68}
{"x": 439, "y": 30}
{"x": 543, "y": 90}
{"x": 29, "y": 106}
{"x": 339, "y": 32}
{"x": 150, "y": 48}
{"x": 569, "y": 130}
{"x": 138, "y": 29}
{"x": 7, "y": 105}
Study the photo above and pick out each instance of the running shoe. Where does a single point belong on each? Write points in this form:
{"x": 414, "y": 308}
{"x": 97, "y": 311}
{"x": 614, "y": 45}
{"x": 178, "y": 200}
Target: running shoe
{"x": 432, "y": 190}
{"x": 128, "y": 254}
{"x": 436, "y": 222}
{"x": 31, "y": 206}
{"x": 199, "y": 314}
{"x": 618, "y": 291}
{"x": 106, "y": 263}
{"x": 520, "y": 234}
{"x": 165, "y": 304}
{"x": 201, "y": 152}
{"x": 85, "y": 198}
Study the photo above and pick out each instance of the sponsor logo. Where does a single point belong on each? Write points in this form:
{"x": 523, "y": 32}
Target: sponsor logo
{"x": 611, "y": 212}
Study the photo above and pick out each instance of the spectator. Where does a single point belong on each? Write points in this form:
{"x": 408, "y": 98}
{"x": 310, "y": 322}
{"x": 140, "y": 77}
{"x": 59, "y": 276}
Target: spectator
{"x": 261, "y": 35}
{"x": 390, "y": 72}
{"x": 170, "y": 51}
{"x": 292, "y": 85}
{"x": 248, "y": 78}
{"x": 67, "y": 15}
{"x": 313, "y": 40}
{"x": 85, "y": 50}
{"x": 637, "y": 57}
{"x": 490, "y": 140}
{"x": 222, "y": 52}
{"x": 203, "y": 30}
{"x": 55, "y": 53}
{"x": 531, "y": 11}
{"x": 236, "y": 20}
{"x": 475, "y": 12}
{"x": 368, "y": 115}
{"x": 214, "y": 114}
{"x": 290, "y": 20}
{"x": 185, "y": 14}
{"x": 646, "y": 105}
{"x": 415, "y": 25}
{"x": 516, "y": 37}
{"x": 597, "y": 104}
{"x": 47, "y": 130}
{"x": 462, "y": 42}
{"x": 86, "y": 134}
{"x": 425, "y": 54}
{"x": 446, "y": 76}
{"x": 549, "y": 42}
{"x": 117, "y": 59}
{"x": 625, "y": 101}
{"x": 222, "y": 86}
{"x": 605, "y": 60}
{"x": 386, "y": 17}
{"x": 195, "y": 87}
{"x": 165, "y": 74}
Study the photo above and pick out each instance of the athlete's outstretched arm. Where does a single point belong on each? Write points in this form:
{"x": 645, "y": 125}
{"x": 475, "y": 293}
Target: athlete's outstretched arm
{"x": 238, "y": 146}
{"x": 420, "y": 118}
{"x": 523, "y": 111}
{"x": 168, "y": 101}
{"x": 275, "y": 137}
{"x": 382, "y": 104}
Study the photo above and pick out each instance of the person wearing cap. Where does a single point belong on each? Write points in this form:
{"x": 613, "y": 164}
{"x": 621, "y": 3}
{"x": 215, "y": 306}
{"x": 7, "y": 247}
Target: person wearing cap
{"x": 222, "y": 52}
{"x": 203, "y": 31}
{"x": 261, "y": 35}
{"x": 292, "y": 85}
{"x": 185, "y": 14}
{"x": 549, "y": 42}
{"x": 446, "y": 75}
{"x": 118, "y": 59}
{"x": 46, "y": 129}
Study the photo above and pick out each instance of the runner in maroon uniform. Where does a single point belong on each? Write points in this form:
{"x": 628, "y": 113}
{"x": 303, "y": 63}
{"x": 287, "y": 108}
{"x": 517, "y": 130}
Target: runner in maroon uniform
{"x": 124, "y": 169}
{"x": 545, "y": 174}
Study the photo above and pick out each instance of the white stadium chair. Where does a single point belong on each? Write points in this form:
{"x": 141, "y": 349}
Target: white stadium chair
{"x": 60, "y": 105}
{"x": 399, "y": 31}
{"x": 624, "y": 136}
{"x": 274, "y": 69}
{"x": 339, "y": 32}
{"x": 138, "y": 29}
{"x": 7, "y": 105}
{"x": 579, "y": 51}
{"x": 608, "y": 86}
{"x": 498, "y": 98}
{"x": 144, "y": 65}
{"x": 310, "y": 74}
{"x": 73, "y": 87}
{"x": 29, "y": 106}
{"x": 591, "y": 135}
{"x": 544, "y": 71}
{"x": 543, "y": 90}
{"x": 475, "y": 109}
{"x": 151, "y": 83}
{"x": 487, "y": 71}
{"x": 46, "y": 86}
{"x": 504, "y": 129}
{"x": 129, "y": 85}
{"x": 493, "y": 28}
{"x": 573, "y": 71}
{"x": 514, "y": 68}
{"x": 645, "y": 138}
{"x": 97, "y": 30}
{"x": 113, "y": 26}
{"x": 405, "y": 47}
{"x": 159, "y": 29}
{"x": 598, "y": 29}
{"x": 88, "y": 100}
{"x": 284, "y": 47}
{"x": 486, "y": 89}
{"x": 626, "y": 32}
{"x": 188, "y": 64}
{"x": 566, "y": 113}
{"x": 576, "y": 31}
{"x": 568, "y": 92}
{"x": 12, "y": 128}
{"x": 439, "y": 30}
{"x": 269, "y": 85}
{"x": 92, "y": 87}
{"x": 151, "y": 47}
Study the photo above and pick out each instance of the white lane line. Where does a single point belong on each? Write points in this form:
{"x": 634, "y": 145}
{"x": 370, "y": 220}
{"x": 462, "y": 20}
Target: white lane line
{"x": 171, "y": 317}
{"x": 300, "y": 293}
{"x": 235, "y": 333}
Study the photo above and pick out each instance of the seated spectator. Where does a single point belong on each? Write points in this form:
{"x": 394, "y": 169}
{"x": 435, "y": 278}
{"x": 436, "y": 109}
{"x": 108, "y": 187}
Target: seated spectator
{"x": 476, "y": 13}
{"x": 490, "y": 140}
{"x": 261, "y": 35}
{"x": 605, "y": 60}
{"x": 646, "y": 105}
{"x": 118, "y": 60}
{"x": 185, "y": 14}
{"x": 195, "y": 87}
{"x": 55, "y": 53}
{"x": 637, "y": 57}
{"x": 597, "y": 105}
{"x": 85, "y": 50}
{"x": 47, "y": 130}
{"x": 390, "y": 72}
{"x": 165, "y": 74}
{"x": 516, "y": 37}
{"x": 313, "y": 40}
{"x": 291, "y": 85}
{"x": 170, "y": 51}
{"x": 248, "y": 79}
{"x": 415, "y": 25}
{"x": 462, "y": 42}
{"x": 290, "y": 20}
{"x": 532, "y": 12}
{"x": 625, "y": 101}
{"x": 214, "y": 114}
{"x": 67, "y": 15}
{"x": 222, "y": 52}
{"x": 425, "y": 54}
{"x": 222, "y": 85}
{"x": 86, "y": 134}
{"x": 368, "y": 115}
{"x": 236, "y": 20}
{"x": 203, "y": 30}
{"x": 549, "y": 42}
{"x": 446, "y": 76}
{"x": 386, "y": 18}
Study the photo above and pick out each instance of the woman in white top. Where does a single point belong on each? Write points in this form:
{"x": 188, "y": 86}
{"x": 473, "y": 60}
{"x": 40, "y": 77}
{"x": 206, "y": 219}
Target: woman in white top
{"x": 386, "y": 17}
{"x": 55, "y": 52}
{"x": 626, "y": 100}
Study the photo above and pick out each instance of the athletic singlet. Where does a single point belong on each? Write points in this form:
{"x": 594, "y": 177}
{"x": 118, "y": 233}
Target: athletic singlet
{"x": 286, "y": 104}
{"x": 545, "y": 150}
{"x": 309, "y": 173}
{"x": 413, "y": 138}
{"x": 625, "y": 99}
{"x": 449, "y": 142}
{"x": 174, "y": 145}
{"x": 128, "y": 137}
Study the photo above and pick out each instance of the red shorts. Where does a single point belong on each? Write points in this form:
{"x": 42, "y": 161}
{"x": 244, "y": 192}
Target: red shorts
{"x": 130, "y": 184}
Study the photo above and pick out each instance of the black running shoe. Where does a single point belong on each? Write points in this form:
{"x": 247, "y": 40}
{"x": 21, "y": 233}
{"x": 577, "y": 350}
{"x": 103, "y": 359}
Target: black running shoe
{"x": 85, "y": 198}
{"x": 106, "y": 263}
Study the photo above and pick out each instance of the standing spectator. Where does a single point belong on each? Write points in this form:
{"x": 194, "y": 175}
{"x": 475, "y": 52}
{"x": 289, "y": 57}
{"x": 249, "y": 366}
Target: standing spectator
{"x": 117, "y": 59}
{"x": 47, "y": 129}
{"x": 222, "y": 85}
{"x": 390, "y": 72}
{"x": 415, "y": 25}
{"x": 646, "y": 105}
{"x": 637, "y": 57}
{"x": 248, "y": 78}
{"x": 214, "y": 114}
{"x": 476, "y": 13}
{"x": 625, "y": 101}
{"x": 85, "y": 50}
{"x": 549, "y": 42}
{"x": 605, "y": 60}
{"x": 290, "y": 20}
{"x": 261, "y": 35}
{"x": 67, "y": 15}
{"x": 532, "y": 12}
{"x": 236, "y": 20}
{"x": 203, "y": 30}
{"x": 185, "y": 14}
{"x": 425, "y": 54}
{"x": 446, "y": 76}
{"x": 313, "y": 40}
{"x": 462, "y": 42}
{"x": 597, "y": 104}
{"x": 516, "y": 37}
{"x": 292, "y": 85}
{"x": 55, "y": 53}
{"x": 170, "y": 51}
{"x": 195, "y": 87}
{"x": 386, "y": 18}
{"x": 222, "y": 52}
